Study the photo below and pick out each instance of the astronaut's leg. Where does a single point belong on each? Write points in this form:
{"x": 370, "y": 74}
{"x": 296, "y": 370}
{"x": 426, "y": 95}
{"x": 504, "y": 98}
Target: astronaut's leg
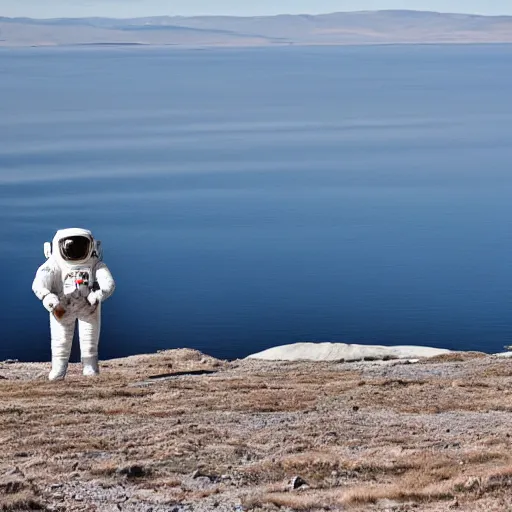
{"x": 89, "y": 324}
{"x": 62, "y": 338}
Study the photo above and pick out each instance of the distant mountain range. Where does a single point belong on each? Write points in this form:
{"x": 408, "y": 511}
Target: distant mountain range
{"x": 365, "y": 27}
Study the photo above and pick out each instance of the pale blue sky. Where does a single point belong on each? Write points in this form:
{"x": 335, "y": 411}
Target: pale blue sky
{"x": 128, "y": 8}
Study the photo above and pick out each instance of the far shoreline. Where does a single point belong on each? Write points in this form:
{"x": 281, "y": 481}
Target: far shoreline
{"x": 177, "y": 46}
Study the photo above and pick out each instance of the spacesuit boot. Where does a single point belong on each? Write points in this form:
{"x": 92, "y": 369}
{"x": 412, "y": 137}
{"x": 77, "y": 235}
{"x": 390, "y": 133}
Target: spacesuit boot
{"x": 90, "y": 366}
{"x": 59, "y": 369}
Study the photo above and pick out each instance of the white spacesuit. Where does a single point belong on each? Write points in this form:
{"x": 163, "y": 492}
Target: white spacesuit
{"x": 72, "y": 285}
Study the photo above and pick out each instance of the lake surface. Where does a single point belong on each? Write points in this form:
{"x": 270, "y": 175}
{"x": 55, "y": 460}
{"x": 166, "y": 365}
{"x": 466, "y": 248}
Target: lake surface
{"x": 253, "y": 198}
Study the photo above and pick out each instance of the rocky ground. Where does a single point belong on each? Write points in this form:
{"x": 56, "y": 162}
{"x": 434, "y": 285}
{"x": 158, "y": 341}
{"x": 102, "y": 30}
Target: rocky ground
{"x": 180, "y": 431}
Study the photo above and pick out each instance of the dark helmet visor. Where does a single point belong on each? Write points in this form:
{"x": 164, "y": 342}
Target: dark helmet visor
{"x": 75, "y": 248}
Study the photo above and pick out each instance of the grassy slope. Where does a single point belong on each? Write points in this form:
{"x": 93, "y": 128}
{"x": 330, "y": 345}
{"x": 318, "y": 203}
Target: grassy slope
{"x": 364, "y": 435}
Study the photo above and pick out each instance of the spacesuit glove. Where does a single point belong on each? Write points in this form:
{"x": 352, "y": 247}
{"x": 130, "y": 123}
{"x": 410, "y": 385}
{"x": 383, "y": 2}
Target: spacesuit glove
{"x": 50, "y": 302}
{"x": 94, "y": 298}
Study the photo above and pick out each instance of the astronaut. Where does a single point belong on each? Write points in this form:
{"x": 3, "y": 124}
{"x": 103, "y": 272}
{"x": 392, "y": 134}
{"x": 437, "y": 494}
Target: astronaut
{"x": 72, "y": 285}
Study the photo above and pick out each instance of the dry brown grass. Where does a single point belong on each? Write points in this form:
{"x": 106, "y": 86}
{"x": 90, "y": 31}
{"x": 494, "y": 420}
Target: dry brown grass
{"x": 357, "y": 496}
{"x": 25, "y": 500}
{"x": 357, "y": 436}
{"x": 455, "y": 357}
{"x": 498, "y": 479}
{"x": 104, "y": 468}
{"x": 413, "y": 470}
{"x": 424, "y": 479}
{"x": 500, "y": 368}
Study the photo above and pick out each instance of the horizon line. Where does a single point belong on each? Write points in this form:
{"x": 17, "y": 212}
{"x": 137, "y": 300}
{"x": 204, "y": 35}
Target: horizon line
{"x": 259, "y": 15}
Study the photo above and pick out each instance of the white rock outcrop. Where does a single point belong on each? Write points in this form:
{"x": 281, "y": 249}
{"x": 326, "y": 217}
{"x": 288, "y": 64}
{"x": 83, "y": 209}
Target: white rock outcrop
{"x": 505, "y": 355}
{"x": 344, "y": 352}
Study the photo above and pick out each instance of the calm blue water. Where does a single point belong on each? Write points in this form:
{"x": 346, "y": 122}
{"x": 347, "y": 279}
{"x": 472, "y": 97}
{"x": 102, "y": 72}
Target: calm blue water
{"x": 252, "y": 198}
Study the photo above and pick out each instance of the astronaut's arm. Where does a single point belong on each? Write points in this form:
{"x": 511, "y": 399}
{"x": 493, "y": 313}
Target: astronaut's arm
{"x": 43, "y": 282}
{"x": 105, "y": 285}
{"x": 43, "y": 287}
